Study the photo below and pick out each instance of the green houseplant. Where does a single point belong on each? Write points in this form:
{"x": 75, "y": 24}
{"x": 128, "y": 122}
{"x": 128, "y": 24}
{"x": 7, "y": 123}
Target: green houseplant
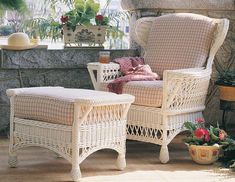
{"x": 204, "y": 143}
{"x": 42, "y": 28}
{"x": 83, "y": 24}
{"x": 84, "y": 13}
{"x": 226, "y": 83}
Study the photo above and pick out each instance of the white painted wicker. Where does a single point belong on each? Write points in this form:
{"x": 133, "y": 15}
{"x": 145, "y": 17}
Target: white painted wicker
{"x": 98, "y": 124}
{"x": 184, "y": 94}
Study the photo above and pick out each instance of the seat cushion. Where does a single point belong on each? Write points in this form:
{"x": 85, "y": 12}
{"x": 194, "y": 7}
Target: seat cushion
{"x": 44, "y": 108}
{"x": 53, "y": 104}
{"x": 147, "y": 93}
{"x": 179, "y": 41}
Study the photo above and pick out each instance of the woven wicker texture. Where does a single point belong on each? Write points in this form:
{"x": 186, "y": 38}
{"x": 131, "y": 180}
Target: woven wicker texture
{"x": 56, "y": 105}
{"x": 184, "y": 90}
{"x": 96, "y": 120}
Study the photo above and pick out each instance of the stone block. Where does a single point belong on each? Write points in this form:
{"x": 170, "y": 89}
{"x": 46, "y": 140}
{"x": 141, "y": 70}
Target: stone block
{"x": 4, "y": 119}
{"x": 8, "y": 79}
{"x": 178, "y": 4}
{"x": 222, "y": 14}
{"x": 49, "y": 59}
{"x": 69, "y": 78}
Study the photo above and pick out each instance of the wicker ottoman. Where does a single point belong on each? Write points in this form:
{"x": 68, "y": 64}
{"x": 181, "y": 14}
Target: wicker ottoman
{"x": 71, "y": 122}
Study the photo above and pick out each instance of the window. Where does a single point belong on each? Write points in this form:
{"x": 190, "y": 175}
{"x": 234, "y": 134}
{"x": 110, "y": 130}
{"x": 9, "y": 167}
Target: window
{"x": 42, "y": 21}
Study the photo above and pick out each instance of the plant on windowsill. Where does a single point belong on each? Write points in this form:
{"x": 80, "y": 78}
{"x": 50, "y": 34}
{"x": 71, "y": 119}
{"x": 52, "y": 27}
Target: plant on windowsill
{"x": 83, "y": 24}
{"x": 226, "y": 83}
{"x": 204, "y": 143}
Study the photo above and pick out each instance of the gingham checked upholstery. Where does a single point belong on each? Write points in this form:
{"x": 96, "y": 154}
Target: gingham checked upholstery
{"x": 44, "y": 108}
{"x": 179, "y": 41}
{"x": 147, "y": 93}
{"x": 53, "y": 104}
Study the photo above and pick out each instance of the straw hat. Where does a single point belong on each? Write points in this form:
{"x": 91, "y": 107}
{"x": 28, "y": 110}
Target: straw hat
{"x": 18, "y": 41}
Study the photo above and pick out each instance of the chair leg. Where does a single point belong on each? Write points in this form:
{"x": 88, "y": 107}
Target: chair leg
{"x": 12, "y": 159}
{"x": 164, "y": 154}
{"x": 76, "y": 173}
{"x": 121, "y": 161}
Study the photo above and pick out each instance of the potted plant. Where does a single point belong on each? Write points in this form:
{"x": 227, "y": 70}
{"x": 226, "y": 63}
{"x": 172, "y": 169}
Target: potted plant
{"x": 227, "y": 160}
{"x": 204, "y": 144}
{"x": 82, "y": 25}
{"x": 226, "y": 83}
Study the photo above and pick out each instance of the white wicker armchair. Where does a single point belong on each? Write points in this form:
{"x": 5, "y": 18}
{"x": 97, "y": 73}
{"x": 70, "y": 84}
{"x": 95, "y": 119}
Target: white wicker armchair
{"x": 184, "y": 87}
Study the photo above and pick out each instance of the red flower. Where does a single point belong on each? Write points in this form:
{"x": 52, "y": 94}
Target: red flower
{"x": 199, "y": 133}
{"x": 200, "y": 120}
{"x": 99, "y": 17}
{"x": 222, "y": 135}
{"x": 207, "y": 135}
{"x": 64, "y": 19}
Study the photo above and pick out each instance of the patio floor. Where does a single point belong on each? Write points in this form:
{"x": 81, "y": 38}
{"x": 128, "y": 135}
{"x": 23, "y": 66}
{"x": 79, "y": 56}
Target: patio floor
{"x": 38, "y": 164}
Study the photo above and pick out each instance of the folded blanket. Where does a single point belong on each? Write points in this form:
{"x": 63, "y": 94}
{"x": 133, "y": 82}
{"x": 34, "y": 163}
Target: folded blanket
{"x": 133, "y": 69}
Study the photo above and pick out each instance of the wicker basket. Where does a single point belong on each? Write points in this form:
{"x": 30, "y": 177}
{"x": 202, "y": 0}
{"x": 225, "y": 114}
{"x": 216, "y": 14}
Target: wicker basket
{"x": 204, "y": 154}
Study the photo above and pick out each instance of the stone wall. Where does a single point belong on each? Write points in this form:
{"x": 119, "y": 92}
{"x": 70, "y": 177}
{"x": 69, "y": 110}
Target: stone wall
{"x": 225, "y": 58}
{"x": 42, "y": 67}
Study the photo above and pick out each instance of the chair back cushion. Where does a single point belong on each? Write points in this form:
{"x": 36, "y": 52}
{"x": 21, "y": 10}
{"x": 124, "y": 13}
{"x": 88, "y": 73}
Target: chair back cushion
{"x": 179, "y": 41}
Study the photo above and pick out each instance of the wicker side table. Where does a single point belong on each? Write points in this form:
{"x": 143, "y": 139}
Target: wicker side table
{"x": 94, "y": 120}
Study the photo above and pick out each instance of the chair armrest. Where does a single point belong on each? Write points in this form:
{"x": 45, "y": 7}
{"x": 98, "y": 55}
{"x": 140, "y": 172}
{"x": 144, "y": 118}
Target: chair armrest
{"x": 185, "y": 90}
{"x": 102, "y": 73}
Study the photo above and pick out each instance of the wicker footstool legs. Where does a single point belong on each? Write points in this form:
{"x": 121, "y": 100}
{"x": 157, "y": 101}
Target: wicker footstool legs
{"x": 93, "y": 136}
{"x": 98, "y": 123}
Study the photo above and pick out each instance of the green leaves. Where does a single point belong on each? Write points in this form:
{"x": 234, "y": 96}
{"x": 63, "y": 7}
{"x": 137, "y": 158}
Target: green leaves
{"x": 228, "y": 157}
{"x": 18, "y": 5}
{"x": 190, "y": 126}
{"x": 43, "y": 28}
{"x": 226, "y": 78}
{"x": 93, "y": 6}
{"x": 193, "y": 141}
{"x": 214, "y": 133}
{"x": 84, "y": 11}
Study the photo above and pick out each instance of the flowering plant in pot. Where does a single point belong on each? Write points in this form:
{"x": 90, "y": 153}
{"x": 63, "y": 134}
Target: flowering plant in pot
{"x": 226, "y": 83}
{"x": 83, "y": 24}
{"x": 205, "y": 143}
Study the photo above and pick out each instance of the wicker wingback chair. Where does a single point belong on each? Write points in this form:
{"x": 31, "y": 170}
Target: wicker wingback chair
{"x": 181, "y": 49}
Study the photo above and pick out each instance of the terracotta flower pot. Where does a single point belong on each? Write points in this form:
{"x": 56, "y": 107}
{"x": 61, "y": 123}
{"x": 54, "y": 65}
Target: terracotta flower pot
{"x": 227, "y": 93}
{"x": 204, "y": 154}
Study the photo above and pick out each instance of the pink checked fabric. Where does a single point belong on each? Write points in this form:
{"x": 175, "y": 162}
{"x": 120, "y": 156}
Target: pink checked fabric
{"x": 133, "y": 69}
{"x": 128, "y": 63}
{"x": 44, "y": 108}
{"x": 52, "y": 104}
{"x": 147, "y": 93}
{"x": 178, "y": 41}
